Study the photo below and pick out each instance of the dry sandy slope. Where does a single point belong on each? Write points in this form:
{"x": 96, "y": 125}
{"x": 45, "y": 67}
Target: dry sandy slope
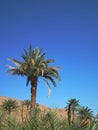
{"x": 61, "y": 112}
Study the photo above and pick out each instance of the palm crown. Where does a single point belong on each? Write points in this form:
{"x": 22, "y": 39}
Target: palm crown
{"x": 85, "y": 113}
{"x": 9, "y": 105}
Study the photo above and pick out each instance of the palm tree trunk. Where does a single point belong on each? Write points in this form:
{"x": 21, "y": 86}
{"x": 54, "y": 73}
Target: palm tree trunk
{"x": 69, "y": 114}
{"x": 22, "y": 113}
{"x": 33, "y": 92}
{"x": 9, "y": 112}
{"x": 73, "y": 116}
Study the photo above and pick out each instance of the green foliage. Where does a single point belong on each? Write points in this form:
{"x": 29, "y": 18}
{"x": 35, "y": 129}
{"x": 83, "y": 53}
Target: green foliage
{"x": 34, "y": 64}
{"x": 72, "y": 107}
{"x": 9, "y": 105}
{"x": 27, "y": 103}
{"x": 10, "y": 123}
{"x": 85, "y": 113}
{"x": 33, "y": 120}
{"x": 1, "y": 119}
{"x": 51, "y": 120}
{"x": 37, "y": 120}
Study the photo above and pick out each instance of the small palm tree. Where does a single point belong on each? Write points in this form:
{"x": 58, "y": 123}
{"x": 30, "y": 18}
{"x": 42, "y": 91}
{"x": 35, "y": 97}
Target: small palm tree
{"x": 27, "y": 103}
{"x": 72, "y": 106}
{"x": 85, "y": 114}
{"x": 69, "y": 114}
{"x": 33, "y": 66}
{"x": 9, "y": 105}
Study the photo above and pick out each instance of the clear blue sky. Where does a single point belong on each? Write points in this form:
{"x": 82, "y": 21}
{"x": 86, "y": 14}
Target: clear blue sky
{"x": 68, "y": 32}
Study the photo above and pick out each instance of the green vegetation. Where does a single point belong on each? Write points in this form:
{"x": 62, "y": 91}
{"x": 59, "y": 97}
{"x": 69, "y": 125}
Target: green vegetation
{"x": 48, "y": 120}
{"x": 9, "y": 105}
{"x": 27, "y": 103}
{"x": 72, "y": 107}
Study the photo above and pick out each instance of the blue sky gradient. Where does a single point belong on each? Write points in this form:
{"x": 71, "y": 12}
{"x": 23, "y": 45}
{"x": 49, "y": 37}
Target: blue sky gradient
{"x": 68, "y": 32}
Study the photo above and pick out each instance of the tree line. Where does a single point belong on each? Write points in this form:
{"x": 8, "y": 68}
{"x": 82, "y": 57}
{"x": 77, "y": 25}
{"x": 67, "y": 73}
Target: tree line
{"x": 78, "y": 117}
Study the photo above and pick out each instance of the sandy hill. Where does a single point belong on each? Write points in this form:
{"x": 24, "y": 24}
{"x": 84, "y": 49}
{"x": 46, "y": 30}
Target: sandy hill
{"x": 61, "y": 112}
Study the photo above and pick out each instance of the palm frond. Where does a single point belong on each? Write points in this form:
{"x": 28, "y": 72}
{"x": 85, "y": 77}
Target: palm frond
{"x": 40, "y": 52}
{"x": 16, "y": 62}
{"x": 51, "y": 79}
{"x": 28, "y": 80}
{"x": 32, "y": 62}
{"x": 42, "y": 71}
{"x": 50, "y": 61}
{"x": 30, "y": 51}
{"x": 55, "y": 67}
{"x": 49, "y": 88}
{"x": 54, "y": 73}
{"x": 11, "y": 67}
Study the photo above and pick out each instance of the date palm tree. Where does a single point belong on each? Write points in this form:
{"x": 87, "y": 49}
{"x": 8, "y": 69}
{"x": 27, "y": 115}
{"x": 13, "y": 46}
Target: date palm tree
{"x": 73, "y": 105}
{"x": 27, "y": 103}
{"x": 34, "y": 65}
{"x": 9, "y": 105}
{"x": 85, "y": 113}
{"x": 69, "y": 114}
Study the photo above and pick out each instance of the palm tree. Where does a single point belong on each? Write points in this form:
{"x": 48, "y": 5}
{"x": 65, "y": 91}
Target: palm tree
{"x": 73, "y": 105}
{"x": 85, "y": 115}
{"x": 27, "y": 103}
{"x": 69, "y": 114}
{"x": 9, "y": 105}
{"x": 33, "y": 66}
